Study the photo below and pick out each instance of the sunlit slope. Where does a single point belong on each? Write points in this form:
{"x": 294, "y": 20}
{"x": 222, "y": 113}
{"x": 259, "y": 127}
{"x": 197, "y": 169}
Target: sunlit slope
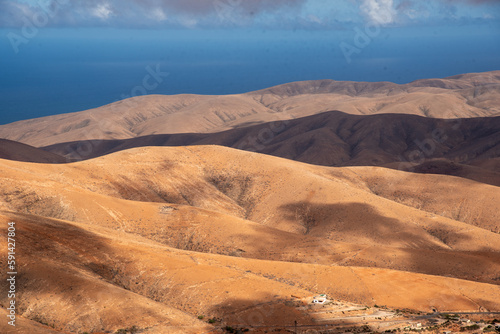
{"x": 219, "y": 200}
{"x": 80, "y": 277}
{"x": 457, "y": 198}
{"x": 469, "y": 95}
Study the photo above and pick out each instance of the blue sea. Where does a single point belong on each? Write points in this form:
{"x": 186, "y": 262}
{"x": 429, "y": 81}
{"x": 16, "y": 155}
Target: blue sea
{"x": 66, "y": 70}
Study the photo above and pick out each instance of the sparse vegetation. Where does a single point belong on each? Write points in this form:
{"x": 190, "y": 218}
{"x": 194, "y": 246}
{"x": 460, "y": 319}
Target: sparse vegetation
{"x": 191, "y": 241}
{"x": 236, "y": 252}
{"x": 130, "y": 330}
{"x": 425, "y": 110}
{"x": 305, "y": 216}
{"x": 40, "y": 320}
{"x": 465, "y": 213}
{"x": 489, "y": 328}
{"x": 469, "y": 328}
{"x": 235, "y": 185}
{"x": 365, "y": 329}
{"x": 453, "y": 317}
{"x": 406, "y": 199}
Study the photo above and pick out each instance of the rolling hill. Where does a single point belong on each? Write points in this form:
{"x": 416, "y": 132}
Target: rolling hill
{"x": 356, "y": 207}
{"x": 94, "y": 279}
{"x": 225, "y": 214}
{"x": 404, "y": 142}
{"x": 463, "y": 96}
{"x": 177, "y": 233}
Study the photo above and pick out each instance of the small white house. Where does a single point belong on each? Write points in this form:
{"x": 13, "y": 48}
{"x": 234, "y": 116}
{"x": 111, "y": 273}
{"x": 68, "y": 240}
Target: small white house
{"x": 321, "y": 299}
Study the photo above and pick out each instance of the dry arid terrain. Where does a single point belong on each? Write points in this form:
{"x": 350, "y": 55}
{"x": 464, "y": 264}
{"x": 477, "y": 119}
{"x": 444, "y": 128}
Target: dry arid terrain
{"x": 174, "y": 223}
{"x": 12, "y": 150}
{"x": 459, "y": 147}
{"x": 462, "y": 96}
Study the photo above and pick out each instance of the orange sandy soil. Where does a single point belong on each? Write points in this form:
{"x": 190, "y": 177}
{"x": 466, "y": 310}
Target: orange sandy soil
{"x": 155, "y": 237}
{"x": 83, "y": 277}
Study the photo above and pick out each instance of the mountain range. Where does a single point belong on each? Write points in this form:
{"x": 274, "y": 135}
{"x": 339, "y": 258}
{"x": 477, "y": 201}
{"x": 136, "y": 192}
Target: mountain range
{"x": 462, "y": 96}
{"x": 216, "y": 214}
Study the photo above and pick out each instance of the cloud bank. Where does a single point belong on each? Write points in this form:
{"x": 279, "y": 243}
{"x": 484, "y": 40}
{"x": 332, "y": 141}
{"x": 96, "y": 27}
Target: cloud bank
{"x": 140, "y": 12}
{"x": 224, "y": 13}
{"x": 379, "y": 11}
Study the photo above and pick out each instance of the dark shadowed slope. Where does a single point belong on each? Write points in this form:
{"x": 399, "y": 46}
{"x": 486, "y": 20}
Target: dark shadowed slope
{"x": 405, "y": 142}
{"x": 12, "y": 150}
{"x": 486, "y": 174}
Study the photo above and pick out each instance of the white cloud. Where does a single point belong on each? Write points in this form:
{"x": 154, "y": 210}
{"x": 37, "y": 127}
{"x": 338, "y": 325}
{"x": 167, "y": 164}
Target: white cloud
{"x": 262, "y": 13}
{"x": 25, "y": 9}
{"x": 158, "y": 14}
{"x": 379, "y": 11}
{"x": 102, "y": 11}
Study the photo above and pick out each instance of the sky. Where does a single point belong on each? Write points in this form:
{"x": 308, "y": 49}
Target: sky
{"x": 59, "y": 56}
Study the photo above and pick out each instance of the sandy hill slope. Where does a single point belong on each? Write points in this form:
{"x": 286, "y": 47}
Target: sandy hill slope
{"x": 230, "y": 202}
{"x": 470, "y": 95}
{"x": 456, "y": 198}
{"x": 405, "y": 142}
{"x": 79, "y": 277}
{"x": 12, "y": 150}
{"x": 159, "y": 237}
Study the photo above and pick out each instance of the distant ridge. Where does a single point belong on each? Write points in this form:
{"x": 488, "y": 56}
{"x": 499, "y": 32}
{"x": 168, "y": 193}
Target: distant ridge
{"x": 461, "y": 96}
{"x": 338, "y": 139}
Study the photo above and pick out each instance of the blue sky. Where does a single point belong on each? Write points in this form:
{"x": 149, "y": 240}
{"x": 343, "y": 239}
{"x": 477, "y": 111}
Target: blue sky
{"x": 60, "y": 56}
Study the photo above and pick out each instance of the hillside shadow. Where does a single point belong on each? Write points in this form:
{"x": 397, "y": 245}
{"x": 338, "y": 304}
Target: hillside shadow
{"x": 360, "y": 220}
{"x": 49, "y": 238}
{"x": 62, "y": 266}
{"x": 290, "y": 315}
{"x": 451, "y": 168}
{"x": 274, "y": 313}
{"x": 391, "y": 243}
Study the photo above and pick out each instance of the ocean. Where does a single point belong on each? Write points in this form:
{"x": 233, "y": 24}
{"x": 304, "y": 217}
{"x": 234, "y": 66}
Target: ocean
{"x": 64, "y": 70}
